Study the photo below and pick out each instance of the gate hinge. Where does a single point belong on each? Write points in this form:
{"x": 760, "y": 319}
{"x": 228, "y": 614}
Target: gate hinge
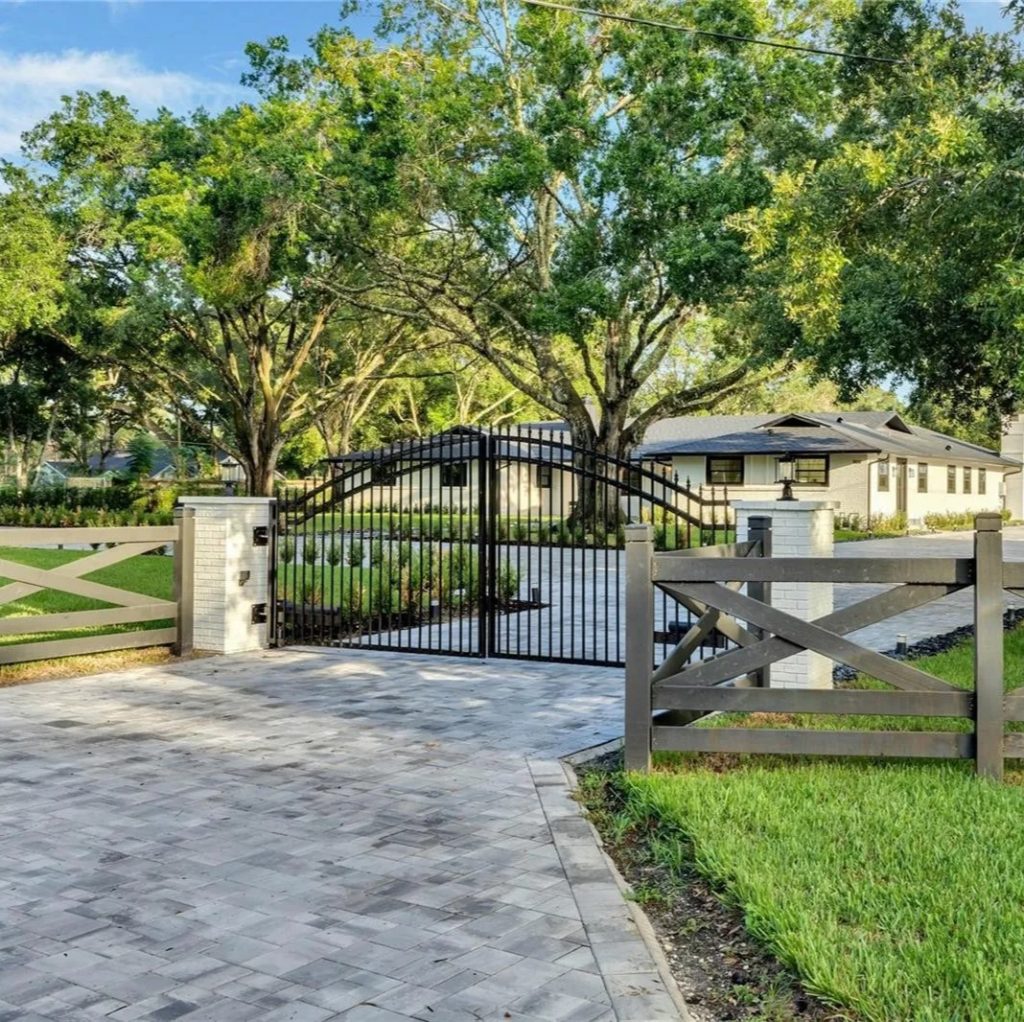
{"x": 261, "y": 535}
{"x": 259, "y": 613}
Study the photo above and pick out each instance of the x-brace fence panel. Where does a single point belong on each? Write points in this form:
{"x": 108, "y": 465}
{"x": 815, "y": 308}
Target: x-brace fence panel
{"x": 664, "y": 702}
{"x": 127, "y": 607}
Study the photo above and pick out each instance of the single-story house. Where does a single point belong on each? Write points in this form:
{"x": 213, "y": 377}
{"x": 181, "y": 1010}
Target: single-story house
{"x": 444, "y": 471}
{"x": 870, "y": 464}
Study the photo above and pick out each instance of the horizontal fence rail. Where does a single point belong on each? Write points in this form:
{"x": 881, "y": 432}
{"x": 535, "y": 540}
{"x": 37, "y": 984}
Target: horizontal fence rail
{"x": 664, "y": 701}
{"x": 128, "y": 607}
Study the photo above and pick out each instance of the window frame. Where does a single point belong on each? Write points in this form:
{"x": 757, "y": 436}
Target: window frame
{"x": 982, "y": 481}
{"x": 448, "y": 468}
{"x": 922, "y": 477}
{"x": 951, "y": 479}
{"x": 545, "y": 477}
{"x": 825, "y": 470}
{"x": 734, "y": 458}
{"x": 882, "y": 477}
{"x": 968, "y": 479}
{"x": 383, "y": 473}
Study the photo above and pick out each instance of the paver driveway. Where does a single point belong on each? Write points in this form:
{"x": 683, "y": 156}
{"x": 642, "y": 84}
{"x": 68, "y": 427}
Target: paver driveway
{"x": 307, "y": 836}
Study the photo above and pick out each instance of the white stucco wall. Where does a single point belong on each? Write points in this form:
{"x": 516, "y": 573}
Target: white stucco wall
{"x": 416, "y": 487}
{"x": 853, "y": 486}
{"x": 936, "y": 499}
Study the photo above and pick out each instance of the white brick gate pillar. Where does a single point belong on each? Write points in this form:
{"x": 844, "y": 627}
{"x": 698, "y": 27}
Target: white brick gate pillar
{"x": 230, "y": 572}
{"x": 800, "y": 528}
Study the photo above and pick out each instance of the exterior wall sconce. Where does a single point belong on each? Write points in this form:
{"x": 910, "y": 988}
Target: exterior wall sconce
{"x": 787, "y": 466}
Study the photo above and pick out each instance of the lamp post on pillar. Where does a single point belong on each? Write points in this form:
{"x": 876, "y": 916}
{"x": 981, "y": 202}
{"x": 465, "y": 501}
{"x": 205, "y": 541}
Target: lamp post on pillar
{"x": 787, "y": 466}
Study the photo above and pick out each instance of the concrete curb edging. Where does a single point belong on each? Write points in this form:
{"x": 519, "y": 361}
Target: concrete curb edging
{"x": 628, "y": 955}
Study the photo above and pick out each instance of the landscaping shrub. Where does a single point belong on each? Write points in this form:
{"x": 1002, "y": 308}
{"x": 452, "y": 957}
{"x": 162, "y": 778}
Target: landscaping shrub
{"x": 954, "y": 521}
{"x": 286, "y": 550}
{"x": 309, "y": 551}
{"x": 508, "y": 583}
{"x": 353, "y": 555}
{"x": 333, "y": 552}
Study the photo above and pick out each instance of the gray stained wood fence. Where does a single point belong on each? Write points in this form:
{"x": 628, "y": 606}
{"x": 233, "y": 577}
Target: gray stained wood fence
{"x": 119, "y": 543}
{"x": 662, "y": 701}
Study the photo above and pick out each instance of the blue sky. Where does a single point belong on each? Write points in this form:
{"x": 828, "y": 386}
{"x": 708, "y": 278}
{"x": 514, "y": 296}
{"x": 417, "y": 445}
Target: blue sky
{"x": 175, "y": 53}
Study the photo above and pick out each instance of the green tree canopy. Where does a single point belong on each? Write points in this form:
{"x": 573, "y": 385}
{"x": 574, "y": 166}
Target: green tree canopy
{"x": 568, "y": 187}
{"x": 896, "y": 254}
{"x": 212, "y": 248}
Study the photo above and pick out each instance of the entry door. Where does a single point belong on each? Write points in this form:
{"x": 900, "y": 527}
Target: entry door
{"x": 901, "y": 485}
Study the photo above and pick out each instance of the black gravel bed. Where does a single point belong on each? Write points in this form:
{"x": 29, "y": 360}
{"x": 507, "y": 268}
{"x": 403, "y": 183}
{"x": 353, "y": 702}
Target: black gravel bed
{"x": 936, "y": 644}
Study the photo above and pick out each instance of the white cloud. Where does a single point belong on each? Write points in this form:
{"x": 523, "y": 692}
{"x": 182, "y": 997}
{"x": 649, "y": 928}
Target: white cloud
{"x": 31, "y": 86}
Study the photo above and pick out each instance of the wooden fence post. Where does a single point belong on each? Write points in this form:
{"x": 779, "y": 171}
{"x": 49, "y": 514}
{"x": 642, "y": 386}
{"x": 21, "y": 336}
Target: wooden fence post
{"x": 759, "y": 529}
{"x": 184, "y": 578}
{"x": 988, "y": 645}
{"x": 639, "y": 645}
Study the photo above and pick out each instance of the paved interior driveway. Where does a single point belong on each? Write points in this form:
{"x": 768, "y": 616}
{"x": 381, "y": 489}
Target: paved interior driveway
{"x": 584, "y": 613}
{"x": 937, "y": 618}
{"x": 306, "y": 836}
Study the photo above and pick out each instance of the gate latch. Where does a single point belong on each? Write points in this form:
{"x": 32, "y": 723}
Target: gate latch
{"x": 259, "y": 613}
{"x": 261, "y": 535}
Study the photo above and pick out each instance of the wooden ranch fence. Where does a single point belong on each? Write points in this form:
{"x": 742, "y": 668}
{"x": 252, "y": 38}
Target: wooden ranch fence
{"x": 128, "y": 607}
{"x": 663, "y": 700}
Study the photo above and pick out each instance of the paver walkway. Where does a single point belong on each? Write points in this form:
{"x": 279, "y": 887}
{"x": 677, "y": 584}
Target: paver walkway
{"x": 306, "y": 836}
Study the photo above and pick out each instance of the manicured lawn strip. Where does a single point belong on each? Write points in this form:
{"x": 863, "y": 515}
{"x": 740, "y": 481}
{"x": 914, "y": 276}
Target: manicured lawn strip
{"x": 541, "y": 530}
{"x": 894, "y": 890}
{"x": 955, "y": 665}
{"x": 853, "y": 535}
{"x": 150, "y": 575}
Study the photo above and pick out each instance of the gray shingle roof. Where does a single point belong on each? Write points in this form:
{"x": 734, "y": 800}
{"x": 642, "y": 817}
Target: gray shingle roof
{"x": 849, "y": 432}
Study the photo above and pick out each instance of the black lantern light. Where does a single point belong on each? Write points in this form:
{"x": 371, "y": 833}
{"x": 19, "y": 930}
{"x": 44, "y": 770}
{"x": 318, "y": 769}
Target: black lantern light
{"x": 787, "y": 468}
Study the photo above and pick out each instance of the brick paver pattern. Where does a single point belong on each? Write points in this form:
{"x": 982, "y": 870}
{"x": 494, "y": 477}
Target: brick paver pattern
{"x": 308, "y": 836}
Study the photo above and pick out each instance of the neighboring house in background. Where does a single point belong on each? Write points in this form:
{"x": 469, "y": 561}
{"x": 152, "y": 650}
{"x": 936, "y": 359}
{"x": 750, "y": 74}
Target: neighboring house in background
{"x": 868, "y": 464}
{"x": 56, "y": 472}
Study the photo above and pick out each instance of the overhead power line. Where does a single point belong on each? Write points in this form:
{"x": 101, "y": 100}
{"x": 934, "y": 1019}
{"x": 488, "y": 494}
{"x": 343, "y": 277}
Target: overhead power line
{"x": 706, "y": 33}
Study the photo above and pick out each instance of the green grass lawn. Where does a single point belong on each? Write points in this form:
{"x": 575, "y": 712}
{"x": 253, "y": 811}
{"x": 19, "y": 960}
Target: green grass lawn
{"x": 150, "y": 575}
{"x": 955, "y": 665}
{"x": 852, "y": 535}
{"x": 893, "y": 890}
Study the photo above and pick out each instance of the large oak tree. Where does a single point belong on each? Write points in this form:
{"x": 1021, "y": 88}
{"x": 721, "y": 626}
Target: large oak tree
{"x": 568, "y": 186}
{"x": 212, "y": 249}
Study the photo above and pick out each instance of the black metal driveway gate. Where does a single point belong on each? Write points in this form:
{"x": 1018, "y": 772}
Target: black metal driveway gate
{"x": 497, "y": 543}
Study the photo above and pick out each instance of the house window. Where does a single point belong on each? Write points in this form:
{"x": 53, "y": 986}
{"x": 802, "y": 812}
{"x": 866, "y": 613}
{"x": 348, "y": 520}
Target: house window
{"x": 811, "y": 471}
{"x": 383, "y": 475}
{"x": 725, "y": 471}
{"x": 922, "y": 477}
{"x": 544, "y": 477}
{"x": 454, "y": 473}
{"x": 967, "y": 478}
{"x": 982, "y": 480}
{"x": 951, "y": 479}
{"x": 883, "y": 477}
